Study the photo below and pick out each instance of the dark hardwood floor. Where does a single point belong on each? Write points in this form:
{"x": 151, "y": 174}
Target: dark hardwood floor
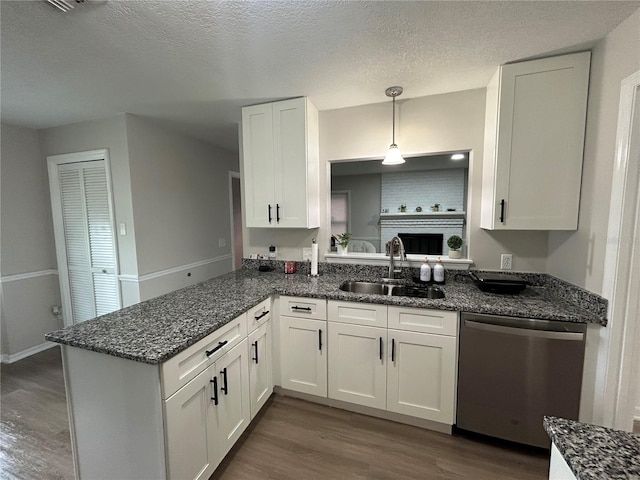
{"x": 294, "y": 439}
{"x": 34, "y": 426}
{"x": 291, "y": 439}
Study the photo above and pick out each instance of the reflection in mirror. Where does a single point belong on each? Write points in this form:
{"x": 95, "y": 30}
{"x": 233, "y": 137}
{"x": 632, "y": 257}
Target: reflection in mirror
{"x": 422, "y": 201}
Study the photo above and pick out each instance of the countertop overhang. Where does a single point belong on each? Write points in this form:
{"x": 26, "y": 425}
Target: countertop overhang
{"x": 593, "y": 452}
{"x": 157, "y": 329}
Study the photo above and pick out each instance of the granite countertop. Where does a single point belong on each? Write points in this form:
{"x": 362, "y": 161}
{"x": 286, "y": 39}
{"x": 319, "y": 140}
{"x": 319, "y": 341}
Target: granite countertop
{"x": 594, "y": 452}
{"x": 157, "y": 329}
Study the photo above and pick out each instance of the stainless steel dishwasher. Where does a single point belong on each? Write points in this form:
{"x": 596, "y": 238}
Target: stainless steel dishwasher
{"x": 513, "y": 371}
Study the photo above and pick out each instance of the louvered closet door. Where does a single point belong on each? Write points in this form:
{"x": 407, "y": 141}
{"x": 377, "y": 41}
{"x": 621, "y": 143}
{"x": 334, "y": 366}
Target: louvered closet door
{"x": 89, "y": 239}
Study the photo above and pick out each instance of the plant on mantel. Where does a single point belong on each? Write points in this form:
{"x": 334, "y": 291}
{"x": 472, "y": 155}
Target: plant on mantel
{"x": 454, "y": 242}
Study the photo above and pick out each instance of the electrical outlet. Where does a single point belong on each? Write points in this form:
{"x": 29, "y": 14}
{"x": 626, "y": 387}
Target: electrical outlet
{"x": 506, "y": 261}
{"x": 222, "y": 242}
{"x": 306, "y": 254}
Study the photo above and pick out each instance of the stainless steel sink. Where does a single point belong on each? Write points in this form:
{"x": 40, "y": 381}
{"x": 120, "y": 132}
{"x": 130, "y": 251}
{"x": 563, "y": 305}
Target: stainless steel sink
{"x": 395, "y": 290}
{"x": 368, "y": 288}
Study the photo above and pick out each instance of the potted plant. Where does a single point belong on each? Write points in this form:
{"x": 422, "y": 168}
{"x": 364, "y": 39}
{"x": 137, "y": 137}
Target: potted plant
{"x": 342, "y": 242}
{"x": 454, "y": 243}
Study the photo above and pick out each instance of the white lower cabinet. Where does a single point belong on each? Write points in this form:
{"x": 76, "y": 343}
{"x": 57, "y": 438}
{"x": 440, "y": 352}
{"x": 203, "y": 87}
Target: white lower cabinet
{"x": 303, "y": 355}
{"x": 421, "y": 375}
{"x": 190, "y": 430}
{"x": 357, "y": 367}
{"x": 401, "y": 370}
{"x": 260, "y": 367}
{"x": 207, "y": 416}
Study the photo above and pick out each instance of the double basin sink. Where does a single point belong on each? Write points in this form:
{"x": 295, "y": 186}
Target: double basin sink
{"x": 393, "y": 290}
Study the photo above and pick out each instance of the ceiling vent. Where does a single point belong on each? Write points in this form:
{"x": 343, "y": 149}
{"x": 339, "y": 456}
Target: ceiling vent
{"x": 64, "y": 5}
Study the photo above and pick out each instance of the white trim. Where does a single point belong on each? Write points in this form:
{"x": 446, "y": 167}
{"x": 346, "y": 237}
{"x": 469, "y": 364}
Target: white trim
{"x": 128, "y": 278}
{"x": 28, "y": 275}
{"x": 181, "y": 268}
{"x": 615, "y": 387}
{"x": 28, "y": 352}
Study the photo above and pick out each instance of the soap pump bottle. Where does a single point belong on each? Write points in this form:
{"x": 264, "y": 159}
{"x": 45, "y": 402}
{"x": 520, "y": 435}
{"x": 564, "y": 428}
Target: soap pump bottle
{"x": 438, "y": 272}
{"x": 425, "y": 271}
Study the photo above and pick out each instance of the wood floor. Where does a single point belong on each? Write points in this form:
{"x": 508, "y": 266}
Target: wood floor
{"x": 291, "y": 439}
{"x": 34, "y": 427}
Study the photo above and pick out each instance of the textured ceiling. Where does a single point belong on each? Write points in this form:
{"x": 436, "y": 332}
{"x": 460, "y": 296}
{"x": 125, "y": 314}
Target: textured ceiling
{"x": 193, "y": 64}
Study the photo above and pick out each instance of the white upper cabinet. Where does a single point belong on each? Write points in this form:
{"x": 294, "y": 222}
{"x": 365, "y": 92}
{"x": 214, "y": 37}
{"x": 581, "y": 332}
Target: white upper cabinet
{"x": 534, "y": 136}
{"x": 280, "y": 164}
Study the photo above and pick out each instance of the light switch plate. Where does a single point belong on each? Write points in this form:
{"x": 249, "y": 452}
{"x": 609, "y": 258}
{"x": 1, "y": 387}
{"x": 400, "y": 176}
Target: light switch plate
{"x": 306, "y": 254}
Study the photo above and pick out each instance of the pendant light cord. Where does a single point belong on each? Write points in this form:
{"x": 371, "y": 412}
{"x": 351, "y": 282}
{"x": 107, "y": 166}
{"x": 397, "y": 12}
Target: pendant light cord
{"x": 394, "y": 120}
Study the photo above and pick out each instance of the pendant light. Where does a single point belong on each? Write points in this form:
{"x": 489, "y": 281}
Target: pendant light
{"x": 394, "y": 157}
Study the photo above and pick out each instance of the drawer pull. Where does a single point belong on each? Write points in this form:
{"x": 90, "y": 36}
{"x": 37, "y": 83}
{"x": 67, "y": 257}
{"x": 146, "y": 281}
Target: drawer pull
{"x": 214, "y": 380}
{"x": 502, "y": 210}
{"x": 255, "y": 344}
{"x": 216, "y": 348}
{"x": 278, "y": 212}
{"x": 224, "y": 388}
{"x": 269, "y": 213}
{"x": 266, "y": 312}
{"x": 305, "y": 309}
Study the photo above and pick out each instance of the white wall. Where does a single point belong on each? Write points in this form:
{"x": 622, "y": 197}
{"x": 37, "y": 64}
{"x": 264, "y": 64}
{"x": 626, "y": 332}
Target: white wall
{"x": 107, "y": 133}
{"x": 27, "y": 257}
{"x": 578, "y": 257}
{"x": 180, "y": 193}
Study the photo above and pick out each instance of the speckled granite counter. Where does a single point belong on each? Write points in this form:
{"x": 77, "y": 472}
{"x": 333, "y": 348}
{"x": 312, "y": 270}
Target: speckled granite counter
{"x": 594, "y": 452}
{"x": 157, "y": 329}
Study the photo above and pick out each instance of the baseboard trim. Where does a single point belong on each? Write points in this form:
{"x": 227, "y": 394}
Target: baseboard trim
{"x": 28, "y": 275}
{"x": 28, "y": 352}
{"x": 372, "y": 412}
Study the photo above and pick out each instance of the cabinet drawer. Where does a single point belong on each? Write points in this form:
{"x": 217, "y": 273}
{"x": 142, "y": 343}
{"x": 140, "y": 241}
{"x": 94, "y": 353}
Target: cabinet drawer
{"x": 357, "y": 313}
{"x": 186, "y": 365}
{"x": 315, "y": 308}
{"x": 258, "y": 315}
{"x": 441, "y": 322}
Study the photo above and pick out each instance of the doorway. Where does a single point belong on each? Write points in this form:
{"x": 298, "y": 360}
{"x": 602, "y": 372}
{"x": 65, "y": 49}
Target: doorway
{"x": 235, "y": 201}
{"x": 83, "y": 221}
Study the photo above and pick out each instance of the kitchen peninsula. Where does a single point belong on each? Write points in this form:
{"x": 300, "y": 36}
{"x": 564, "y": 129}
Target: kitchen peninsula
{"x": 120, "y": 396}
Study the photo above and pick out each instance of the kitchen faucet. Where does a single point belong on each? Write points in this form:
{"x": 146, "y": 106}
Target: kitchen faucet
{"x": 391, "y": 247}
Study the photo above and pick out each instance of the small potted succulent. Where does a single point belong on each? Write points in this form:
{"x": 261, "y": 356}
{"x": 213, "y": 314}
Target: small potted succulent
{"x": 454, "y": 243}
{"x": 342, "y": 242}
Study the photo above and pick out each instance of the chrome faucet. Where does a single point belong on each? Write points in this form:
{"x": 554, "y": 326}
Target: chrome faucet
{"x": 391, "y": 248}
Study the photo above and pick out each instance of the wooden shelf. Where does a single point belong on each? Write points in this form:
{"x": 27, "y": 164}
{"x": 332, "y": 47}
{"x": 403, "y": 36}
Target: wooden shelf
{"x": 418, "y": 215}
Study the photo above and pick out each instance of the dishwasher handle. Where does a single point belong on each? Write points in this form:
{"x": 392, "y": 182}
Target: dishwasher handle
{"x": 524, "y": 332}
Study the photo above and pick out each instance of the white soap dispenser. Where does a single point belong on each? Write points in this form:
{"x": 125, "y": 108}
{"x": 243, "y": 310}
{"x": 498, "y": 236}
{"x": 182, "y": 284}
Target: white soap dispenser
{"x": 425, "y": 271}
{"x": 438, "y": 272}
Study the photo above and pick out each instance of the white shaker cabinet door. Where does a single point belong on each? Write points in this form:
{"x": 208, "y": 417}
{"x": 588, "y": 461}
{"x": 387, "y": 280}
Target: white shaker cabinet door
{"x": 303, "y": 355}
{"x": 421, "y": 375}
{"x": 232, "y": 411}
{"x": 258, "y": 165}
{"x": 191, "y": 429}
{"x": 357, "y": 364}
{"x": 534, "y": 138}
{"x": 260, "y": 367}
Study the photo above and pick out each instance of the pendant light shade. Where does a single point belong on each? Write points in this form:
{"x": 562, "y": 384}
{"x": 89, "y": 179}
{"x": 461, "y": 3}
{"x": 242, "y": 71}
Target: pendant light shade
{"x": 393, "y": 157}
